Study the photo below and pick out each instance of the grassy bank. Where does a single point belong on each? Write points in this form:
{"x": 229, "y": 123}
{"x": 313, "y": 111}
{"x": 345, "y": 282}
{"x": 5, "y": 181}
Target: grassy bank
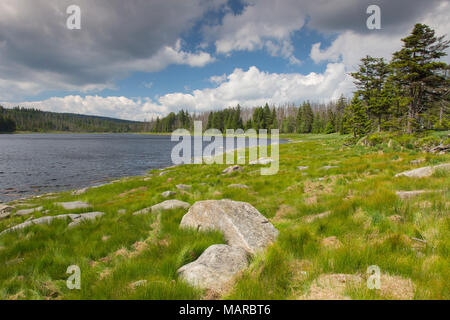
{"x": 363, "y": 223}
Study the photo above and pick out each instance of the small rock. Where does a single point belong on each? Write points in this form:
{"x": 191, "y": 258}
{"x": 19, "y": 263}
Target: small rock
{"x": 80, "y": 191}
{"x": 122, "y": 211}
{"x": 164, "y": 173}
{"x": 262, "y": 161}
{"x": 74, "y": 205}
{"x": 167, "y": 194}
{"x": 409, "y": 194}
{"x": 183, "y": 186}
{"x": 84, "y": 217}
{"x": 417, "y": 161}
{"x": 239, "y": 186}
{"x": 216, "y": 266}
{"x": 5, "y": 211}
{"x": 166, "y": 205}
{"x": 138, "y": 283}
{"x": 105, "y": 238}
{"x": 232, "y": 169}
{"x": 328, "y": 167}
{"x": 302, "y": 168}
{"x": 26, "y": 212}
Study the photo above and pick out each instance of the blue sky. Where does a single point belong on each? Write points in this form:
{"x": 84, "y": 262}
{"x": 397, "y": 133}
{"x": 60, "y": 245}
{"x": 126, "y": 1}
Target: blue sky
{"x": 138, "y": 60}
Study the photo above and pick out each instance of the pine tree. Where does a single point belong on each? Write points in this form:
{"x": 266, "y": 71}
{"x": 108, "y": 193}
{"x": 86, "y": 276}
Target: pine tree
{"x": 358, "y": 120}
{"x": 418, "y": 72}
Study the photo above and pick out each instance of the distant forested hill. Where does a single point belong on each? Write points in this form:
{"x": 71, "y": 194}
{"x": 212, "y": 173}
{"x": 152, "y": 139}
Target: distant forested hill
{"x": 41, "y": 121}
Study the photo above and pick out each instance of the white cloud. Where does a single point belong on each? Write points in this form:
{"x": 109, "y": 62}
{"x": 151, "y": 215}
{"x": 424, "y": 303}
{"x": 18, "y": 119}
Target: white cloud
{"x": 248, "y": 88}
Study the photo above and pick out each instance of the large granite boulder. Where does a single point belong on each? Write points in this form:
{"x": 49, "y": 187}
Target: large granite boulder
{"x": 216, "y": 266}
{"x": 26, "y": 212}
{"x": 5, "y": 211}
{"x": 242, "y": 224}
{"x": 78, "y": 219}
{"x": 73, "y": 205}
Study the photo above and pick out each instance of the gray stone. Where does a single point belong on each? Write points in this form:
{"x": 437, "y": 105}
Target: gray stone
{"x": 302, "y": 168}
{"x": 242, "y": 224}
{"x": 410, "y": 194}
{"x": 74, "y": 205}
{"x": 417, "y": 161}
{"x": 329, "y": 167}
{"x": 262, "y": 161}
{"x": 216, "y": 266}
{"x": 167, "y": 194}
{"x": 232, "y": 169}
{"x": 43, "y": 220}
{"x": 424, "y": 171}
{"x": 166, "y": 205}
{"x": 80, "y": 191}
{"x": 164, "y": 173}
{"x": 239, "y": 186}
{"x": 5, "y": 211}
{"x": 183, "y": 186}
{"x": 26, "y": 212}
{"x": 78, "y": 219}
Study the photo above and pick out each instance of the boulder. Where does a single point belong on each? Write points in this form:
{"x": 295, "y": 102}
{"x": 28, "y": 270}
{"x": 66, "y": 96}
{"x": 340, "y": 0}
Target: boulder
{"x": 216, "y": 266}
{"x": 232, "y": 169}
{"x": 80, "y": 191}
{"x": 167, "y": 194}
{"x": 242, "y": 224}
{"x": 79, "y": 218}
{"x": 424, "y": 171}
{"x": 26, "y": 212}
{"x": 165, "y": 205}
{"x": 74, "y": 205}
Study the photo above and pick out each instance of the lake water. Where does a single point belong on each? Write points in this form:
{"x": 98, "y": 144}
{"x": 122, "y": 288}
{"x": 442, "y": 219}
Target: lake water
{"x": 32, "y": 164}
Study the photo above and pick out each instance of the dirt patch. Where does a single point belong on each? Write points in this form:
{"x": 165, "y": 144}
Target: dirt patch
{"x": 395, "y": 218}
{"x": 127, "y": 193}
{"x": 398, "y": 288}
{"x": 331, "y": 242}
{"x": 311, "y": 218}
{"x": 311, "y": 200}
{"x": 332, "y": 287}
{"x": 283, "y": 211}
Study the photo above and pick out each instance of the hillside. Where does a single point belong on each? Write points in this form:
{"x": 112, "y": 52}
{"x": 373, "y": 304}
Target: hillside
{"x": 41, "y": 121}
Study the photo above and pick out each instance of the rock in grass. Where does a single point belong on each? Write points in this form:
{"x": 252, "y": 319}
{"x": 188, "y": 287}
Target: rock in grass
{"x": 238, "y": 186}
{"x": 302, "y": 168}
{"x": 80, "y": 191}
{"x": 232, "y": 169}
{"x": 164, "y": 173}
{"x": 183, "y": 186}
{"x": 424, "y": 171}
{"x": 329, "y": 167}
{"x": 167, "y": 194}
{"x": 242, "y": 224}
{"x": 74, "y": 205}
{"x": 49, "y": 219}
{"x": 5, "y": 211}
{"x": 409, "y": 194}
{"x": 417, "y": 161}
{"x": 26, "y": 212}
{"x": 262, "y": 161}
{"x": 78, "y": 219}
{"x": 216, "y": 266}
{"x": 166, "y": 205}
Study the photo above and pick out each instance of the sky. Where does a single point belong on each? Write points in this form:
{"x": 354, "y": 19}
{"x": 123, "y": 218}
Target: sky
{"x": 139, "y": 59}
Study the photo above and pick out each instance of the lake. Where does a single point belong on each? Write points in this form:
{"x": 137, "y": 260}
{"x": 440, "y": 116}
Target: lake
{"x": 32, "y": 164}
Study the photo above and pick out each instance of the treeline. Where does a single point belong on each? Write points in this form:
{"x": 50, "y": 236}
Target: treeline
{"x": 7, "y": 124}
{"x": 34, "y": 120}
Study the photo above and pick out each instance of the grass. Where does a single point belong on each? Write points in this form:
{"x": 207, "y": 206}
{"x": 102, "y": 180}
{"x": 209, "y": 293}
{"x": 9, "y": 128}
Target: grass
{"x": 119, "y": 249}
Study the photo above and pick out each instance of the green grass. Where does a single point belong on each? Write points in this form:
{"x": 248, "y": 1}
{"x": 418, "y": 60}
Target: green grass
{"x": 360, "y": 193}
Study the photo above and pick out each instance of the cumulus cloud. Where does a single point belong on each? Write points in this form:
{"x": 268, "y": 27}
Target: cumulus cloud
{"x": 247, "y": 88}
{"x": 38, "y": 52}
